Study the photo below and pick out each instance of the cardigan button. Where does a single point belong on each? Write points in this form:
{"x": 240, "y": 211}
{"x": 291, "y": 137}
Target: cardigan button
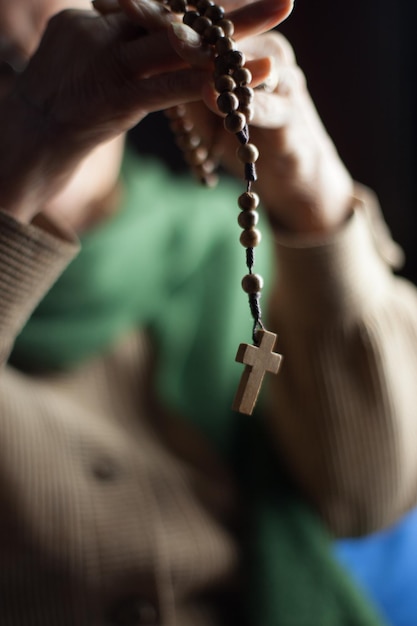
{"x": 134, "y": 611}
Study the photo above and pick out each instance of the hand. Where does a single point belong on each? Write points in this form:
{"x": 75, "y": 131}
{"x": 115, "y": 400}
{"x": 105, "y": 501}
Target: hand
{"x": 92, "y": 78}
{"x": 302, "y": 181}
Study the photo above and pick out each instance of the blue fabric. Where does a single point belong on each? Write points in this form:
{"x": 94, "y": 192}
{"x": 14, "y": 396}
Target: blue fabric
{"x": 385, "y": 566}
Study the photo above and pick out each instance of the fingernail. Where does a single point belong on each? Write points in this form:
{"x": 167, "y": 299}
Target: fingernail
{"x": 186, "y": 34}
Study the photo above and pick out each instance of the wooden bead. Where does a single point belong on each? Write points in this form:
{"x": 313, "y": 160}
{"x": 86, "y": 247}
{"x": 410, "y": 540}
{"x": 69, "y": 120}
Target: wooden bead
{"x": 176, "y": 112}
{"x": 234, "y": 122}
{"x": 181, "y": 125}
{"x": 248, "y": 219}
{"x": 201, "y": 24}
{"x": 224, "y": 45}
{"x": 252, "y": 283}
{"x": 209, "y": 180}
{"x": 224, "y": 83}
{"x": 242, "y": 76}
{"x": 188, "y": 141}
{"x": 234, "y": 59}
{"x": 214, "y": 13}
{"x": 212, "y": 34}
{"x": 250, "y": 238}
{"x": 245, "y": 94}
{"x": 247, "y": 153}
{"x": 190, "y": 17}
{"x": 227, "y": 26}
{"x": 196, "y": 156}
{"x": 206, "y": 167}
{"x": 203, "y": 5}
{"x": 248, "y": 201}
{"x": 221, "y": 66}
{"x": 227, "y": 102}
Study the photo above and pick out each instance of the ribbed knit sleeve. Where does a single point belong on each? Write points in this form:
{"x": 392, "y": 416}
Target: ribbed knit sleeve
{"x": 31, "y": 259}
{"x": 343, "y": 407}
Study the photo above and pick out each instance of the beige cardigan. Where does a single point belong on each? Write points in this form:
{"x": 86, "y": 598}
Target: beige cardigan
{"x": 111, "y": 511}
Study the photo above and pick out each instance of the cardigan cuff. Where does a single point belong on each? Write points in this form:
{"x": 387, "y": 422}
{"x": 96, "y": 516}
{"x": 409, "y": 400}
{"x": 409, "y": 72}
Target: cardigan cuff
{"x": 324, "y": 279}
{"x": 32, "y": 256}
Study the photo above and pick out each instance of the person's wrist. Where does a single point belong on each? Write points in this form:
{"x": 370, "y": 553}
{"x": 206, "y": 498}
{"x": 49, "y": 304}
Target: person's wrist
{"x": 308, "y": 222}
{"x": 316, "y": 214}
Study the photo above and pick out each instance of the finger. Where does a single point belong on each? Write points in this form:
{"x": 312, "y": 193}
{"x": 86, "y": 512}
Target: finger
{"x": 188, "y": 44}
{"x": 259, "y": 17}
{"x": 148, "y": 13}
{"x": 163, "y": 51}
{"x": 263, "y": 72}
{"x": 162, "y": 91}
{"x": 271, "y": 44}
{"x": 270, "y": 110}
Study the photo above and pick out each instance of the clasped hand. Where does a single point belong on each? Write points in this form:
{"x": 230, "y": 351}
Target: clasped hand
{"x": 95, "y": 75}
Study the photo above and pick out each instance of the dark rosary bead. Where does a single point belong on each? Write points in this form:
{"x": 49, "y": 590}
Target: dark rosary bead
{"x": 234, "y": 122}
{"x": 188, "y": 141}
{"x": 224, "y": 83}
{"x": 245, "y": 94}
{"x": 227, "y": 102}
{"x": 201, "y": 24}
{"x": 221, "y": 66}
{"x": 190, "y": 17}
{"x": 212, "y": 34}
{"x": 214, "y": 13}
{"x": 234, "y": 59}
{"x": 224, "y": 44}
{"x": 250, "y": 238}
{"x": 206, "y": 167}
{"x": 181, "y": 125}
{"x": 248, "y": 219}
{"x": 209, "y": 180}
{"x": 203, "y": 5}
{"x": 248, "y": 201}
{"x": 176, "y": 112}
{"x": 196, "y": 156}
{"x": 247, "y": 153}
{"x": 227, "y": 26}
{"x": 242, "y": 76}
{"x": 252, "y": 283}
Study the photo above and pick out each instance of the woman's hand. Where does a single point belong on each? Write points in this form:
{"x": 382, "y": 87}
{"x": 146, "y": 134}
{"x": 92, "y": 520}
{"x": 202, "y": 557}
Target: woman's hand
{"x": 92, "y": 78}
{"x": 302, "y": 181}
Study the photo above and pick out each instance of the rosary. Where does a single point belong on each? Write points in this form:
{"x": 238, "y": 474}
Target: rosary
{"x": 231, "y": 81}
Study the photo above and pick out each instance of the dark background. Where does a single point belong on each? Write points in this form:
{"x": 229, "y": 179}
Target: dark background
{"x": 360, "y": 59}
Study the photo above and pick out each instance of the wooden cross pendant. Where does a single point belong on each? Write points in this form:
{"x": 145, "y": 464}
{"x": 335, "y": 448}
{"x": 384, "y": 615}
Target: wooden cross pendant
{"x": 258, "y": 360}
